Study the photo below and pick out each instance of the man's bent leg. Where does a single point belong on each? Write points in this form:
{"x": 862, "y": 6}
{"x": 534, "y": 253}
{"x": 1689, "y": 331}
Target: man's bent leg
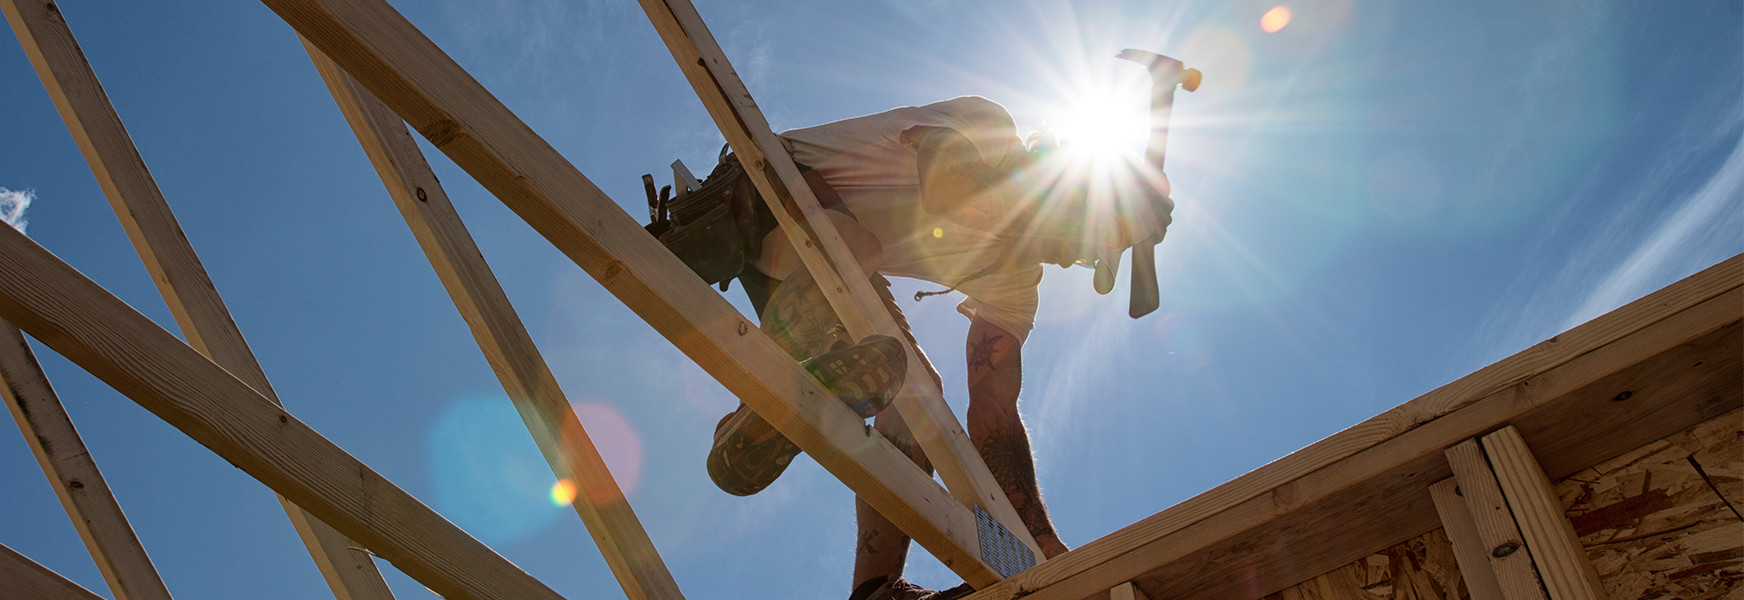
{"x": 995, "y": 369}
{"x": 881, "y": 550}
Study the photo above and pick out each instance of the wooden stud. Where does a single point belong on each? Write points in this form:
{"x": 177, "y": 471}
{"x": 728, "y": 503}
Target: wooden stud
{"x": 1366, "y": 486}
{"x": 1562, "y": 562}
{"x": 1468, "y": 547}
{"x": 500, "y": 334}
{"x": 1127, "y": 591}
{"x": 1500, "y": 537}
{"x": 820, "y": 247}
{"x": 77, "y": 482}
{"x": 180, "y": 277}
{"x": 400, "y": 66}
{"x": 21, "y": 577}
{"x": 97, "y": 331}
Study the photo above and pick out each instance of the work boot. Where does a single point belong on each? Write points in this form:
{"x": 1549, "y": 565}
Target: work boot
{"x": 749, "y": 453}
{"x": 882, "y": 588}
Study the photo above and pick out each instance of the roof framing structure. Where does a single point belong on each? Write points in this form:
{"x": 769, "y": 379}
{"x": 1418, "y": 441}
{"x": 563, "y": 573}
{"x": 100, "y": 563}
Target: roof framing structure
{"x": 1656, "y": 366}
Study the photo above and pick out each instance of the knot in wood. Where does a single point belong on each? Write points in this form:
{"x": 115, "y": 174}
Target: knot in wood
{"x": 1625, "y": 395}
{"x": 1505, "y": 549}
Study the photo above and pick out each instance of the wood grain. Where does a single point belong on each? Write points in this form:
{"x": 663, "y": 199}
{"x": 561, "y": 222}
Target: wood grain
{"x": 1468, "y": 546}
{"x": 1497, "y": 531}
{"x": 21, "y": 577}
{"x": 73, "y": 473}
{"x": 78, "y": 319}
{"x": 177, "y": 271}
{"x": 1557, "y": 553}
{"x": 507, "y": 346}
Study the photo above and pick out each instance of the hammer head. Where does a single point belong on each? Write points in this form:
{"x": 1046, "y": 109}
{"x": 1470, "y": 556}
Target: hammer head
{"x": 1164, "y": 70}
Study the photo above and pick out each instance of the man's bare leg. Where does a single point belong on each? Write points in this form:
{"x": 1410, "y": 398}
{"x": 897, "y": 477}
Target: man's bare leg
{"x": 995, "y": 427}
{"x": 880, "y": 549}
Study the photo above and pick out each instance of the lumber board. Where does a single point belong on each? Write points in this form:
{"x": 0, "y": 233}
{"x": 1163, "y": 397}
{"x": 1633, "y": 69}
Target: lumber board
{"x": 1556, "y": 552}
{"x": 502, "y": 337}
{"x": 408, "y": 73}
{"x": 1386, "y": 463}
{"x": 175, "y": 268}
{"x": 24, "y": 578}
{"x": 820, "y": 247}
{"x": 97, "y": 331}
{"x": 1469, "y": 550}
{"x": 1497, "y": 531}
{"x": 73, "y": 473}
{"x": 1127, "y": 591}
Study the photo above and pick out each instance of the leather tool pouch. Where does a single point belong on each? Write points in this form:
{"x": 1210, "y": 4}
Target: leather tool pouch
{"x": 717, "y": 230}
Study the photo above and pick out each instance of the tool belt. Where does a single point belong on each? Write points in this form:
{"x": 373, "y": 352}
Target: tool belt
{"x": 718, "y": 229}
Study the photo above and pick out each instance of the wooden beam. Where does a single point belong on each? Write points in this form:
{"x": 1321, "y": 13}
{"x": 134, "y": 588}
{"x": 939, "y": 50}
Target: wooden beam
{"x": 78, "y": 319}
{"x": 69, "y": 467}
{"x": 1498, "y": 533}
{"x": 180, "y": 277}
{"x": 1367, "y": 485}
{"x": 820, "y": 247}
{"x": 500, "y": 334}
{"x": 443, "y": 103}
{"x": 23, "y": 578}
{"x": 1127, "y": 591}
{"x": 1556, "y": 551}
{"x": 1469, "y": 550}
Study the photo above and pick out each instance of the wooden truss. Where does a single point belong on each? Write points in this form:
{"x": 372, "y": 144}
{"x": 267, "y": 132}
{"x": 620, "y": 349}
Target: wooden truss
{"x": 1474, "y": 456}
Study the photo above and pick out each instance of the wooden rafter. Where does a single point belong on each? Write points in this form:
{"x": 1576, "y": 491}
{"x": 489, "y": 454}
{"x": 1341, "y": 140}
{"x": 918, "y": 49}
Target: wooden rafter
{"x": 396, "y": 63}
{"x": 820, "y": 247}
{"x": 70, "y": 469}
{"x": 1675, "y": 352}
{"x": 21, "y": 577}
{"x": 174, "y": 266}
{"x": 97, "y": 331}
{"x": 1469, "y": 550}
{"x": 500, "y": 334}
{"x": 1506, "y": 553}
{"x": 1556, "y": 551}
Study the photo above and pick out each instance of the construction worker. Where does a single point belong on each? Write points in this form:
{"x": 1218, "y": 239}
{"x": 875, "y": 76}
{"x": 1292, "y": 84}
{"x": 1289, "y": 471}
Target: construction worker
{"x": 947, "y": 193}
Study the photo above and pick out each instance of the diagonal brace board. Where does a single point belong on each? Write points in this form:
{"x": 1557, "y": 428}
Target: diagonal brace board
{"x": 77, "y": 481}
{"x": 818, "y": 244}
{"x": 174, "y": 266}
{"x": 396, "y": 63}
{"x": 22, "y": 576}
{"x": 501, "y": 335}
{"x": 78, "y": 319}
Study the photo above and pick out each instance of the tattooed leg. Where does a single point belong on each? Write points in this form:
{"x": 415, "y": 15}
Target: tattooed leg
{"x": 995, "y": 377}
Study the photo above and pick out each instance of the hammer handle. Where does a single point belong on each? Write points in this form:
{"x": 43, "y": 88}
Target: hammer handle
{"x": 1145, "y": 298}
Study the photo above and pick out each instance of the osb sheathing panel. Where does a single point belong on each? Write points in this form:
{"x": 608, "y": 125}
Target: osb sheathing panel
{"x": 1420, "y": 568}
{"x": 1655, "y": 527}
{"x": 1652, "y": 525}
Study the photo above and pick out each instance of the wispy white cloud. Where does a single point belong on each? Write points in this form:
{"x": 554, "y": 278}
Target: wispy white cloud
{"x": 1648, "y": 264}
{"x": 13, "y": 203}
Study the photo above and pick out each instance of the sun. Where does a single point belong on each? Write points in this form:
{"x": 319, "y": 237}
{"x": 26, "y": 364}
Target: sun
{"x": 1102, "y": 127}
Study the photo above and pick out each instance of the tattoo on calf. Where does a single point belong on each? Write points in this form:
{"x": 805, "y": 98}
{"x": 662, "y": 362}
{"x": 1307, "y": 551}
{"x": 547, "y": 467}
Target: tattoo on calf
{"x": 866, "y": 541}
{"x": 1008, "y": 458}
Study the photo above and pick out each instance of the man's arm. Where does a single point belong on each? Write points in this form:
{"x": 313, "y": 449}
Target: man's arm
{"x": 955, "y": 183}
{"x": 995, "y": 377}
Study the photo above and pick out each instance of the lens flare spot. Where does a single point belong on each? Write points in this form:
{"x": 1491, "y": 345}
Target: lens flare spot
{"x": 562, "y": 493}
{"x": 487, "y": 474}
{"x": 1275, "y": 19}
{"x": 617, "y": 442}
{"x": 938, "y": 233}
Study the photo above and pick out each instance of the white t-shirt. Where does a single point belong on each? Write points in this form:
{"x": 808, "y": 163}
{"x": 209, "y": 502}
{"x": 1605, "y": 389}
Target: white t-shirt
{"x": 866, "y": 162}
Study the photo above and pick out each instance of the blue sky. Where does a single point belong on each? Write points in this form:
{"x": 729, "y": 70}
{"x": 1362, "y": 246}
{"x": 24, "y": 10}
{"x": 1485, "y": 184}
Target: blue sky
{"x": 1373, "y": 201}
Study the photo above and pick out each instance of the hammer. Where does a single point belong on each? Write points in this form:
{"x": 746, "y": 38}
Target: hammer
{"x": 1166, "y": 73}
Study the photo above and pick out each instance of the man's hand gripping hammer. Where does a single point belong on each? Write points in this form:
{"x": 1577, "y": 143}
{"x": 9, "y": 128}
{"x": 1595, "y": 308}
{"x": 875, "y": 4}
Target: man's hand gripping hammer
{"x": 1166, "y": 73}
